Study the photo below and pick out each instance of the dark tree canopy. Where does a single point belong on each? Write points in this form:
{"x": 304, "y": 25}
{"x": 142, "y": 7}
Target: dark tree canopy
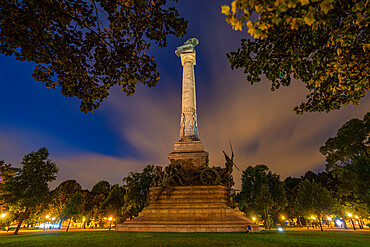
{"x": 324, "y": 43}
{"x": 262, "y": 192}
{"x": 348, "y": 157}
{"x": 136, "y": 187}
{"x": 115, "y": 200}
{"x": 28, "y": 187}
{"x": 314, "y": 199}
{"x": 86, "y": 47}
{"x": 102, "y": 187}
{"x": 351, "y": 142}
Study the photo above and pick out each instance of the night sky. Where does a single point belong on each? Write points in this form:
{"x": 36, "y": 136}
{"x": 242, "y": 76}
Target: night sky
{"x": 127, "y": 133}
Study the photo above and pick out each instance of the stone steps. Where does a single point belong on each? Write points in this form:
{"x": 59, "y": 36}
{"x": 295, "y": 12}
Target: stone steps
{"x": 189, "y": 209}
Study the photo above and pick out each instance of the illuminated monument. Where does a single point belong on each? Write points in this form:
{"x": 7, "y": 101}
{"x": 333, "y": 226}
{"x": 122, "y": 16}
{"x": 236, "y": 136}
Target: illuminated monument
{"x": 188, "y": 195}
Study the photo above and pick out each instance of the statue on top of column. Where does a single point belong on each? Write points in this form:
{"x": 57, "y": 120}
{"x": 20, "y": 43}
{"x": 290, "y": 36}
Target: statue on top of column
{"x": 187, "y": 46}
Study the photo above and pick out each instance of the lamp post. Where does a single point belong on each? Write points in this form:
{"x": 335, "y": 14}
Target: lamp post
{"x": 110, "y": 222}
{"x": 353, "y": 224}
{"x": 329, "y": 220}
{"x": 46, "y": 217}
{"x": 2, "y": 216}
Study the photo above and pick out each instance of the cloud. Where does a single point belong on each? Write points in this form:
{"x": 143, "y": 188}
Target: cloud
{"x": 260, "y": 124}
{"x": 90, "y": 168}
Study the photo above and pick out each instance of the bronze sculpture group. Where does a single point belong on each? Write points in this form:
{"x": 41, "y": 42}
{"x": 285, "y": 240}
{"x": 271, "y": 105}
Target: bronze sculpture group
{"x": 178, "y": 174}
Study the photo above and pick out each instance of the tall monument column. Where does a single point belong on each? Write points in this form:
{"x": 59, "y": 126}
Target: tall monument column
{"x": 189, "y": 126}
{"x": 188, "y": 195}
{"x": 188, "y": 151}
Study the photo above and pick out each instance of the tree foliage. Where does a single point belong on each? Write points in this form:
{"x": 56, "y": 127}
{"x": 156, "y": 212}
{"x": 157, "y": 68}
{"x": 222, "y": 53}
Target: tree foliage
{"x": 136, "y": 187}
{"x": 102, "y": 187}
{"x": 113, "y": 204}
{"x": 262, "y": 192}
{"x": 73, "y": 207}
{"x": 313, "y": 199}
{"x": 61, "y": 196}
{"x": 28, "y": 187}
{"x": 351, "y": 142}
{"x": 324, "y": 43}
{"x": 86, "y": 47}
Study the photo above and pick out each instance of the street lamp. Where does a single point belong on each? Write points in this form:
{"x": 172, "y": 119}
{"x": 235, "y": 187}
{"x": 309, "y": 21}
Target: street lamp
{"x": 110, "y": 222}
{"x": 83, "y": 223}
{"x": 353, "y": 224}
{"x": 2, "y": 215}
{"x": 253, "y": 219}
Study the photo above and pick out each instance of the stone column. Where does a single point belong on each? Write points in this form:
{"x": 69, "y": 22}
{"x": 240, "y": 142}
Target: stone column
{"x": 189, "y": 126}
{"x": 188, "y": 151}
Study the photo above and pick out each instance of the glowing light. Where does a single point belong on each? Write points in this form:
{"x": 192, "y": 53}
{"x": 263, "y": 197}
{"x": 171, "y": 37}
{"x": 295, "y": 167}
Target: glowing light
{"x": 280, "y": 229}
{"x": 339, "y": 222}
{"x": 349, "y": 214}
{"x": 253, "y": 218}
{"x": 356, "y": 217}
{"x": 283, "y": 217}
{"x": 110, "y": 218}
{"x": 53, "y": 218}
{"x": 47, "y": 216}
{"x": 3, "y": 215}
{"x": 47, "y": 225}
{"x": 329, "y": 218}
{"x": 83, "y": 219}
{"x": 313, "y": 217}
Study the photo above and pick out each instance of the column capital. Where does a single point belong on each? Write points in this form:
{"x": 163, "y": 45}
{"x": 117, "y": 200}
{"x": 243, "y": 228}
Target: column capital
{"x": 188, "y": 57}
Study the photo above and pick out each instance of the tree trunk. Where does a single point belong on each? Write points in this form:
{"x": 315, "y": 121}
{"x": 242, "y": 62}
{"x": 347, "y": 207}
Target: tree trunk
{"x": 345, "y": 224}
{"x": 307, "y": 224}
{"x": 24, "y": 215}
{"x": 360, "y": 224}
{"x": 265, "y": 223}
{"x": 318, "y": 218}
{"x": 299, "y": 221}
{"x": 353, "y": 224}
{"x": 68, "y": 224}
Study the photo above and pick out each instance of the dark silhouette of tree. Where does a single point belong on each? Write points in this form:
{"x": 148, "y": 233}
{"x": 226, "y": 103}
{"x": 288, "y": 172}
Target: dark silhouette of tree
{"x": 136, "y": 187}
{"x": 323, "y": 43}
{"x": 86, "y": 47}
{"x": 102, "y": 187}
{"x": 73, "y": 208}
{"x": 112, "y": 205}
{"x": 262, "y": 192}
{"x": 28, "y": 188}
{"x": 347, "y": 156}
{"x": 351, "y": 142}
{"x": 313, "y": 199}
{"x": 61, "y": 196}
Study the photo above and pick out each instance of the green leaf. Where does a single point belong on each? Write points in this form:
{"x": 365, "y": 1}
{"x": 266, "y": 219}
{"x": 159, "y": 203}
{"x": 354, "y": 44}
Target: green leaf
{"x": 225, "y": 9}
{"x": 309, "y": 19}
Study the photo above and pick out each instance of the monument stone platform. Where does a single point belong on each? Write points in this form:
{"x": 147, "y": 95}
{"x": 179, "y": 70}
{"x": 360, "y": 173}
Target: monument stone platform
{"x": 190, "y": 154}
{"x": 189, "y": 209}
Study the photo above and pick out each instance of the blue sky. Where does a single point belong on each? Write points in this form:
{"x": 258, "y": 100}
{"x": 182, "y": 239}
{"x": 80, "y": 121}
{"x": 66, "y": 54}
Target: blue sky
{"x": 127, "y": 133}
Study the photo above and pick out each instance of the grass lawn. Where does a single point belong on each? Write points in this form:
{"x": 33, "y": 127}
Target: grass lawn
{"x": 265, "y": 238}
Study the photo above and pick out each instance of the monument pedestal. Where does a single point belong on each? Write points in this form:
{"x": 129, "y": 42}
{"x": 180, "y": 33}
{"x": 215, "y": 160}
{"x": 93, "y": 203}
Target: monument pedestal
{"x": 189, "y": 154}
{"x": 189, "y": 209}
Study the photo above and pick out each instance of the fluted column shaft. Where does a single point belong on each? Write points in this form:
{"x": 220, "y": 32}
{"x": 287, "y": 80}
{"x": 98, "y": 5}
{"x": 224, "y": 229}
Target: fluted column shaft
{"x": 189, "y": 126}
